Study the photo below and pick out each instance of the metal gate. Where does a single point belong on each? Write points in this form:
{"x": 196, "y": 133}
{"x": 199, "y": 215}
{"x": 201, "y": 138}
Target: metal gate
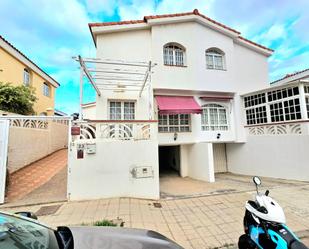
{"x": 220, "y": 162}
{"x": 4, "y": 135}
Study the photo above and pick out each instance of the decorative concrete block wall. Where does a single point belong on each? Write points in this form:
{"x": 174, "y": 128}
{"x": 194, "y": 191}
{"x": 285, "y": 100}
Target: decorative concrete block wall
{"x": 31, "y": 141}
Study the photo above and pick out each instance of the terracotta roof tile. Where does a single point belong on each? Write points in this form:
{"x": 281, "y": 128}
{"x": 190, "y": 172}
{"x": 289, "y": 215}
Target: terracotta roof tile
{"x": 194, "y": 12}
{"x": 256, "y": 44}
{"x": 290, "y": 75}
{"x": 22, "y": 54}
{"x": 98, "y": 24}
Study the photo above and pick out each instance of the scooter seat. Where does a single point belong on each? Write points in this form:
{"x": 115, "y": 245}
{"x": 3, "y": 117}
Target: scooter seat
{"x": 298, "y": 245}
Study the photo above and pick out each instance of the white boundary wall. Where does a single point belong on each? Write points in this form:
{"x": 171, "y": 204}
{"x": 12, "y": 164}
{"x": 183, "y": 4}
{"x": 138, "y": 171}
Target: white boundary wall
{"x": 285, "y": 157}
{"x": 27, "y": 145}
{"x": 107, "y": 173}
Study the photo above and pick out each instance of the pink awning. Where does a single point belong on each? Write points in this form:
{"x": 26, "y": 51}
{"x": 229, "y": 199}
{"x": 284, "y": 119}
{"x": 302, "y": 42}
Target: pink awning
{"x": 177, "y": 105}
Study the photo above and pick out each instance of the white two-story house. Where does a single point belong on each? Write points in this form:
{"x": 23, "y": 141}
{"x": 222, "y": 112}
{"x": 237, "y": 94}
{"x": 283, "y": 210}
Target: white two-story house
{"x": 193, "y": 103}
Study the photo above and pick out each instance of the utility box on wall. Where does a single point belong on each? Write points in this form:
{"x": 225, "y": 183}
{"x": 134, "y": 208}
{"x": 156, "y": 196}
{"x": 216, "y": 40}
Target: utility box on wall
{"x": 142, "y": 172}
{"x": 91, "y": 148}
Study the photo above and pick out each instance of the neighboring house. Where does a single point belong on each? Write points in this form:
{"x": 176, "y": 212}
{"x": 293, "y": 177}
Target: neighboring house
{"x": 199, "y": 96}
{"x": 300, "y": 77}
{"x": 60, "y": 113}
{"x": 18, "y": 69}
{"x": 89, "y": 110}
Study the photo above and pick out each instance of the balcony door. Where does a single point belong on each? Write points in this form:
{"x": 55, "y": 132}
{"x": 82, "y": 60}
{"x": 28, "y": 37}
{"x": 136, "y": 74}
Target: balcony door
{"x": 121, "y": 110}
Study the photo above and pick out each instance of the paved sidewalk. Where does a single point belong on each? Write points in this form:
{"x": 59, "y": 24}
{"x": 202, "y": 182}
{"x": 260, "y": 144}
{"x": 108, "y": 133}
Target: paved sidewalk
{"x": 199, "y": 222}
{"x": 27, "y": 179}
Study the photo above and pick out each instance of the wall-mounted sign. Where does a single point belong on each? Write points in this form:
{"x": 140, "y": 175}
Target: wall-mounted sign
{"x": 75, "y": 130}
{"x": 80, "y": 151}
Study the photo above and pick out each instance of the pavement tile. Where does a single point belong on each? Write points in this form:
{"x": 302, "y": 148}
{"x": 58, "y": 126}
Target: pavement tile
{"x": 195, "y": 223}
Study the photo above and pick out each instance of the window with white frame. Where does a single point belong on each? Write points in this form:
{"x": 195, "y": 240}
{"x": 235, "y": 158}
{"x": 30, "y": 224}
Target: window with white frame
{"x": 46, "y": 90}
{"x": 257, "y": 115}
{"x": 214, "y": 118}
{"x": 122, "y": 110}
{"x": 173, "y": 55}
{"x": 307, "y": 104}
{"x": 174, "y": 123}
{"x": 215, "y": 59}
{"x": 283, "y": 105}
{"x": 26, "y": 77}
{"x": 306, "y": 89}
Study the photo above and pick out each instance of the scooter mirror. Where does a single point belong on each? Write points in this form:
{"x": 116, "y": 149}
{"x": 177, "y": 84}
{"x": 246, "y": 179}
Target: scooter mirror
{"x": 257, "y": 180}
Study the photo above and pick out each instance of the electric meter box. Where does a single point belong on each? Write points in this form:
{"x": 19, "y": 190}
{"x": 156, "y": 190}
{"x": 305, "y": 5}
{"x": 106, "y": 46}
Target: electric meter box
{"x": 91, "y": 148}
{"x": 142, "y": 172}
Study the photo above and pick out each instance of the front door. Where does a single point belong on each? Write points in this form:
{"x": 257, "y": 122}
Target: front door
{"x": 220, "y": 161}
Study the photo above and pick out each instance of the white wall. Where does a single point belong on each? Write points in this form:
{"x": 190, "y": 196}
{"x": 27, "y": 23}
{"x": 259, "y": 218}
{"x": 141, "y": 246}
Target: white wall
{"x": 275, "y": 156}
{"x": 196, "y": 161}
{"x": 89, "y": 112}
{"x": 107, "y": 173}
{"x": 197, "y": 134}
{"x": 27, "y": 145}
{"x": 246, "y": 70}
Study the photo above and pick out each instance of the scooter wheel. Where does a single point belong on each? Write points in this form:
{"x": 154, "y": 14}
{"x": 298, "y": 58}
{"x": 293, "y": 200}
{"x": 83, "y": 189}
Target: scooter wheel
{"x": 245, "y": 242}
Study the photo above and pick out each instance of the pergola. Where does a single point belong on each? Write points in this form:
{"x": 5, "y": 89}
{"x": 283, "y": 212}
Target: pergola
{"x": 116, "y": 76}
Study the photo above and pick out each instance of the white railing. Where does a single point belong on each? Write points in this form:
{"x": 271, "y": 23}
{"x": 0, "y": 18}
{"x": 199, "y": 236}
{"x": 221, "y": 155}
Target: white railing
{"x": 116, "y": 130}
{"x": 283, "y": 128}
{"x": 35, "y": 122}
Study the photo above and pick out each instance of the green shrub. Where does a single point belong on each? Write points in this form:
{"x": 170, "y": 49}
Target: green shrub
{"x": 101, "y": 223}
{"x": 17, "y": 99}
{"x": 105, "y": 223}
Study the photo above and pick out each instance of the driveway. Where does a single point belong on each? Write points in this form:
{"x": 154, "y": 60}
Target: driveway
{"x": 173, "y": 186}
{"x": 208, "y": 221}
{"x": 41, "y": 181}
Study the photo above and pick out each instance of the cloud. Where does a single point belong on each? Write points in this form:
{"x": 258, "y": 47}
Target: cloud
{"x": 51, "y": 32}
{"x": 108, "y": 7}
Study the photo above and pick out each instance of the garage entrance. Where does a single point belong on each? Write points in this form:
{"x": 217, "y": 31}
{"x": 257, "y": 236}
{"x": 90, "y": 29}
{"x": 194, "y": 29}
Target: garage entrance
{"x": 169, "y": 160}
{"x": 220, "y": 160}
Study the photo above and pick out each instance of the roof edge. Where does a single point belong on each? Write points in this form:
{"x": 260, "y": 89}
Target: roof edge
{"x": 194, "y": 12}
{"x": 290, "y": 76}
{"x": 50, "y": 79}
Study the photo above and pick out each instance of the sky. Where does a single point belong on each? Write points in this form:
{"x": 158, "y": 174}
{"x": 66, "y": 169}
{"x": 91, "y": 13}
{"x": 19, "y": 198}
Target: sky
{"x": 50, "y": 32}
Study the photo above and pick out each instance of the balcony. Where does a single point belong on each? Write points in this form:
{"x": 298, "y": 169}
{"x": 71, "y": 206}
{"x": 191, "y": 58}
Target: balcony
{"x": 113, "y": 130}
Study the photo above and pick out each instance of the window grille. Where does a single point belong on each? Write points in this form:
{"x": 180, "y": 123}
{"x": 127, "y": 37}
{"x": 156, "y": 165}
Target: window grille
{"x": 214, "y": 59}
{"x": 214, "y": 118}
{"x": 174, "y": 123}
{"x": 173, "y": 55}
{"x": 283, "y": 104}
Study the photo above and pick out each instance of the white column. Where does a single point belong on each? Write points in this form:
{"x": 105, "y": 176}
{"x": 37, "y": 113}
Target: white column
{"x": 302, "y": 101}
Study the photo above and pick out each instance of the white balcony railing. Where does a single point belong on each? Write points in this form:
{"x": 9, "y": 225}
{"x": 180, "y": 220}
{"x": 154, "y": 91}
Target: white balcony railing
{"x": 280, "y": 128}
{"x": 116, "y": 129}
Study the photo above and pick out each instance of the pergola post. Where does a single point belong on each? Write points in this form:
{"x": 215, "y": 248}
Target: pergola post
{"x": 81, "y": 79}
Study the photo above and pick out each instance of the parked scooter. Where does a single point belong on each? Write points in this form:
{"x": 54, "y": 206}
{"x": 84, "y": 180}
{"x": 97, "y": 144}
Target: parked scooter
{"x": 264, "y": 225}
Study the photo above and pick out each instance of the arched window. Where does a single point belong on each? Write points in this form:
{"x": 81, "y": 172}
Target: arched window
{"x": 173, "y": 55}
{"x": 26, "y": 77}
{"x": 215, "y": 59}
{"x": 214, "y": 118}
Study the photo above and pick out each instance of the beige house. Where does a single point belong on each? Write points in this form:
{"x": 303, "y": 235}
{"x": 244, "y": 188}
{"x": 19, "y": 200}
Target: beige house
{"x": 18, "y": 69}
